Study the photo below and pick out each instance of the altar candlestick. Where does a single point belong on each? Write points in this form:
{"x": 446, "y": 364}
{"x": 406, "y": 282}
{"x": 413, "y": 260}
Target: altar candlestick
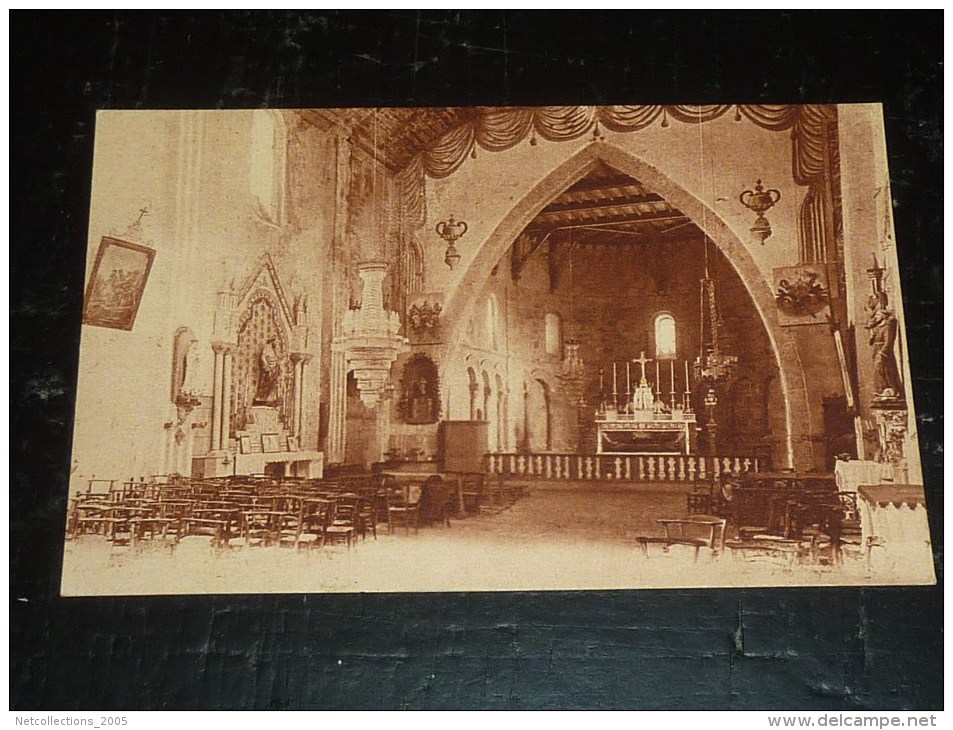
{"x": 671, "y": 377}
{"x": 688, "y": 391}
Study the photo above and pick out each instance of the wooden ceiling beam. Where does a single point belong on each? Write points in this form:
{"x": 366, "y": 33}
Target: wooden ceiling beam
{"x": 618, "y": 201}
{"x": 544, "y": 225}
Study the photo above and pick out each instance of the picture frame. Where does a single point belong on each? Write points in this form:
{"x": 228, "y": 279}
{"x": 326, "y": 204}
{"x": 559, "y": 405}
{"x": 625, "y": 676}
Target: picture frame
{"x": 116, "y": 285}
{"x": 292, "y": 443}
{"x": 244, "y": 444}
{"x": 270, "y": 443}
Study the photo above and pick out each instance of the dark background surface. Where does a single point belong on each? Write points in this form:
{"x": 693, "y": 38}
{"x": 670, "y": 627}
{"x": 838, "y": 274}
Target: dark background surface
{"x": 837, "y": 649}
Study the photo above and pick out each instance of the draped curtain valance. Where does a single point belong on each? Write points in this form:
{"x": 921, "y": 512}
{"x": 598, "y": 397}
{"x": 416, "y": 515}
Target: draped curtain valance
{"x": 496, "y": 129}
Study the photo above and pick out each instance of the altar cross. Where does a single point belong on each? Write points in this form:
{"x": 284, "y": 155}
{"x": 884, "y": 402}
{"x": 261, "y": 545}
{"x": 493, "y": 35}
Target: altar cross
{"x": 641, "y": 360}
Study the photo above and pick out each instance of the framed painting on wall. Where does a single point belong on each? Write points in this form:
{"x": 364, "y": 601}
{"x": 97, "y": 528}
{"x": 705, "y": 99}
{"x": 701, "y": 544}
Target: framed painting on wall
{"x": 117, "y": 283}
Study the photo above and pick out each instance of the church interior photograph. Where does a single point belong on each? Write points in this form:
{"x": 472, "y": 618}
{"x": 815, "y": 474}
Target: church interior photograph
{"x": 493, "y": 348}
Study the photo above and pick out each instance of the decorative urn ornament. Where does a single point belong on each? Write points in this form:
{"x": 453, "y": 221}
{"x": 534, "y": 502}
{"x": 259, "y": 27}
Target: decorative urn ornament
{"x": 450, "y": 230}
{"x": 760, "y": 201}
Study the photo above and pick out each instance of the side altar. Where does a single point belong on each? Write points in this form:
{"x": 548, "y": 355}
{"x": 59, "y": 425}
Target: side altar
{"x": 645, "y": 423}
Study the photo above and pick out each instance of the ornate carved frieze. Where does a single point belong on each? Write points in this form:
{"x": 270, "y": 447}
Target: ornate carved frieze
{"x": 892, "y": 433}
{"x": 423, "y": 319}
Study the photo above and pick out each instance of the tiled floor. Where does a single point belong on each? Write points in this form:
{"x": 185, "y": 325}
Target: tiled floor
{"x": 564, "y": 537}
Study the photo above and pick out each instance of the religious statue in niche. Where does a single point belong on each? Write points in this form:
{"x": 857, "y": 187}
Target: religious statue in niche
{"x": 420, "y": 397}
{"x": 882, "y": 324}
{"x": 260, "y": 373}
{"x": 269, "y": 375}
{"x": 185, "y": 371}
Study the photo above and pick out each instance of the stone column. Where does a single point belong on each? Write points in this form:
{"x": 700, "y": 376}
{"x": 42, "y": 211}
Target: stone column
{"x": 218, "y": 349}
{"x": 507, "y": 429}
{"x": 296, "y": 368}
{"x": 225, "y": 426}
{"x": 868, "y": 233}
{"x": 383, "y": 421}
{"x": 337, "y": 407}
{"x": 169, "y": 455}
{"x": 299, "y": 360}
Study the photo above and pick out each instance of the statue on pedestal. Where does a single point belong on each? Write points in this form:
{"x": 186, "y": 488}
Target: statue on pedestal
{"x": 883, "y": 325}
{"x": 269, "y": 376}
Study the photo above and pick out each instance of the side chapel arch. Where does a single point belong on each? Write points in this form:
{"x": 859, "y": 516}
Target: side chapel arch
{"x": 792, "y": 380}
{"x": 419, "y": 390}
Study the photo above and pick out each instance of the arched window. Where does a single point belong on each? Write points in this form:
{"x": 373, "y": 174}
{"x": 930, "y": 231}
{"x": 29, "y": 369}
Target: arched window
{"x": 267, "y": 174}
{"x": 664, "y": 336}
{"x": 554, "y": 334}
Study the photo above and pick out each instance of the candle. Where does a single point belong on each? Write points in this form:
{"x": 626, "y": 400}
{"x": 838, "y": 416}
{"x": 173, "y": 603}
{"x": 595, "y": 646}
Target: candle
{"x": 658, "y": 389}
{"x": 614, "y": 391}
{"x": 688, "y": 388}
{"x": 671, "y": 377}
{"x": 628, "y": 379}
{"x": 601, "y": 383}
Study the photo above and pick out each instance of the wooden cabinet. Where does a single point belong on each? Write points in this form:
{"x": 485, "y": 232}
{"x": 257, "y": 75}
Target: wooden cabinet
{"x": 463, "y": 445}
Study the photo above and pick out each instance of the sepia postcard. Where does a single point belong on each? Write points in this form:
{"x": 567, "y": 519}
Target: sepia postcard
{"x": 493, "y": 349}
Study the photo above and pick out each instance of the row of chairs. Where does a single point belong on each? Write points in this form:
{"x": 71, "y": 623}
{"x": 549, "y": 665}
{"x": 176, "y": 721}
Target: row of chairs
{"x": 796, "y": 517}
{"x": 255, "y": 511}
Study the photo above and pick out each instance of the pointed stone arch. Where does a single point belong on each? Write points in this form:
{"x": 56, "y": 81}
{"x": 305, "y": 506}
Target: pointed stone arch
{"x": 797, "y": 439}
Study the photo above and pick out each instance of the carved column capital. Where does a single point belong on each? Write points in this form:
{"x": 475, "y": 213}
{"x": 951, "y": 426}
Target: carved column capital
{"x": 224, "y": 348}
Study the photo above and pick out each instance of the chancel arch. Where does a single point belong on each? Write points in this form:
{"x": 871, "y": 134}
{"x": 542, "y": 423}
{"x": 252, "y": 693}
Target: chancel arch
{"x": 783, "y": 348}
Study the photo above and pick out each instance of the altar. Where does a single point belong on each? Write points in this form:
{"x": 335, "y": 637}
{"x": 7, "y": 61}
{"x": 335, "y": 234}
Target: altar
{"x": 263, "y": 446}
{"x": 645, "y": 423}
{"x": 623, "y": 433}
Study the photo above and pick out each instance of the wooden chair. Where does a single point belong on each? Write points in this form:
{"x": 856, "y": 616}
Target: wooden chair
{"x": 316, "y": 516}
{"x": 289, "y": 530}
{"x": 472, "y": 488}
{"x": 254, "y": 530}
{"x": 492, "y": 496}
{"x": 358, "y": 512}
{"x": 844, "y": 528}
{"x": 403, "y": 507}
{"x": 345, "y": 524}
{"x": 437, "y": 501}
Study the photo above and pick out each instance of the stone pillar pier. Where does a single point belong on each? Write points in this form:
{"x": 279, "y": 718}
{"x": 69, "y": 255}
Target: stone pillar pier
{"x": 299, "y": 361}
{"x": 218, "y": 348}
{"x": 225, "y": 425}
{"x": 337, "y": 408}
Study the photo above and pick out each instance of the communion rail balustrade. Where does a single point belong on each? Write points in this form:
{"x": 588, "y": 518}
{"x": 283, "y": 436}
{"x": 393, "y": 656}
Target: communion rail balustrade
{"x": 615, "y": 467}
